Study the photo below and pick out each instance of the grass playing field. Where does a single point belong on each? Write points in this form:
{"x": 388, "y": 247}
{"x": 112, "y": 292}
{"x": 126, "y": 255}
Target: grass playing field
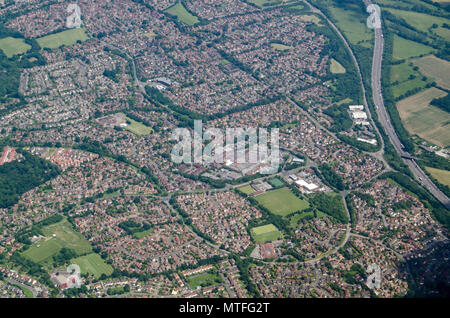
{"x": 443, "y": 176}
{"x": 206, "y": 279}
{"x": 428, "y": 122}
{"x": 276, "y": 182}
{"x": 281, "y": 202}
{"x": 436, "y": 68}
{"x": 266, "y": 233}
{"x": 336, "y": 67}
{"x": 405, "y": 49}
{"x": 183, "y": 15}
{"x": 137, "y": 128}
{"x": 246, "y": 190}
{"x": 67, "y": 38}
{"x": 12, "y": 46}
{"x": 65, "y": 236}
{"x": 93, "y": 264}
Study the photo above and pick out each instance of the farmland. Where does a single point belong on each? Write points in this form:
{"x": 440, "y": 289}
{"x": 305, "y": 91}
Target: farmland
{"x": 182, "y": 14}
{"x": 66, "y": 38}
{"x": 13, "y": 46}
{"x": 428, "y": 122}
{"x": 281, "y": 202}
{"x": 405, "y": 49}
{"x": 92, "y": 264}
{"x": 443, "y": 176}
{"x": 266, "y": 233}
{"x": 57, "y": 236}
{"x": 436, "y": 68}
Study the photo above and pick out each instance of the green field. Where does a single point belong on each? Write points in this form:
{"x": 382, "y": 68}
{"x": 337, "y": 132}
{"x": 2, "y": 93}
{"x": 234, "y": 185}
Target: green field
{"x": 276, "y": 182}
{"x": 428, "y": 122}
{"x": 280, "y": 47}
{"x": 13, "y": 46}
{"x": 137, "y": 128}
{"x": 312, "y": 18}
{"x": 66, "y": 38}
{"x": 266, "y": 233}
{"x": 182, "y": 14}
{"x": 436, "y": 68}
{"x": 281, "y": 202}
{"x": 247, "y": 190}
{"x": 49, "y": 245}
{"x": 421, "y": 21}
{"x": 269, "y": 3}
{"x": 352, "y": 24}
{"x": 405, "y": 49}
{"x": 443, "y": 176}
{"x": 336, "y": 67}
{"x": 142, "y": 234}
{"x": 296, "y": 218}
{"x": 207, "y": 279}
{"x": 93, "y": 264}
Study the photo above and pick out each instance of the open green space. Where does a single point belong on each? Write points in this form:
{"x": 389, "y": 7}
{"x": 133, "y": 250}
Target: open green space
{"x": 182, "y": 14}
{"x": 281, "y": 202}
{"x": 137, "y": 128}
{"x": 57, "y": 236}
{"x": 443, "y": 176}
{"x": 68, "y": 37}
{"x": 425, "y": 120}
{"x": 247, "y": 190}
{"x": 405, "y": 49}
{"x": 336, "y": 67}
{"x": 206, "y": 279}
{"x": 142, "y": 234}
{"x": 280, "y": 47}
{"x": 276, "y": 182}
{"x": 265, "y": 233}
{"x": 13, "y": 46}
{"x": 93, "y": 264}
{"x": 436, "y": 68}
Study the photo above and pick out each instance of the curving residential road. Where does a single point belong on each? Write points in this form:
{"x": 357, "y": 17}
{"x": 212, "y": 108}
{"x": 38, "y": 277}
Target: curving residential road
{"x": 384, "y": 120}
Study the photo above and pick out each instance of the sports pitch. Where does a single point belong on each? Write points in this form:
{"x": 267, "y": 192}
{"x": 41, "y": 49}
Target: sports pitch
{"x": 66, "y": 38}
{"x": 281, "y": 202}
{"x": 13, "y": 46}
{"x": 49, "y": 245}
{"x": 93, "y": 264}
{"x": 138, "y": 128}
{"x": 266, "y": 233}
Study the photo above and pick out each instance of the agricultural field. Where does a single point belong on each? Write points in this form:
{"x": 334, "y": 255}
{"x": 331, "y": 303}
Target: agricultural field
{"x": 423, "y": 22}
{"x": 266, "y": 233}
{"x": 281, "y": 202}
{"x": 248, "y": 190}
{"x": 182, "y": 14}
{"x": 409, "y": 85}
{"x": 336, "y": 67}
{"x": 13, "y": 46}
{"x": 443, "y": 176}
{"x": 405, "y": 49}
{"x": 93, "y": 264}
{"x": 436, "y": 68}
{"x": 207, "y": 279}
{"x": 66, "y": 38}
{"x": 424, "y": 120}
{"x": 352, "y": 25}
{"x": 57, "y": 236}
{"x": 137, "y": 128}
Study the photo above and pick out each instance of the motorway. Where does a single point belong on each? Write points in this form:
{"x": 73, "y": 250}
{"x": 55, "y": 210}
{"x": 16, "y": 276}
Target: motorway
{"x": 384, "y": 120}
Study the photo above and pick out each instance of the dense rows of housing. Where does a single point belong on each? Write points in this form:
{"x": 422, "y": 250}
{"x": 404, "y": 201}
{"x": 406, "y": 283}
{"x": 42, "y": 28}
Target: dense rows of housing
{"x": 104, "y": 110}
